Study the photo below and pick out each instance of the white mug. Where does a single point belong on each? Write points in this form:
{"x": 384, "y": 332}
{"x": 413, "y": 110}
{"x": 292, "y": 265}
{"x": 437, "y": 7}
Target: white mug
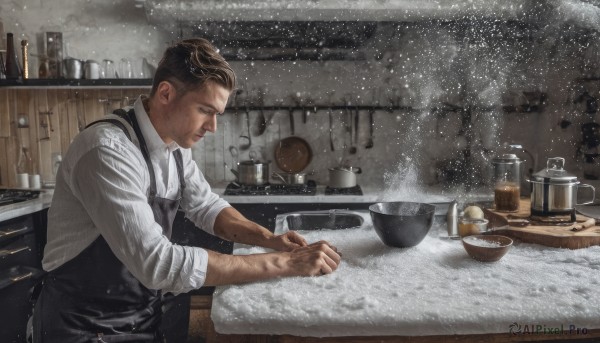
{"x": 23, "y": 180}
{"x": 35, "y": 181}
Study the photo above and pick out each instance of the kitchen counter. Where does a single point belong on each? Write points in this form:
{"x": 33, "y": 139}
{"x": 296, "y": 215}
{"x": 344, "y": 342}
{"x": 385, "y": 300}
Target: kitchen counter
{"x": 370, "y": 195}
{"x": 432, "y": 289}
{"x": 27, "y": 207}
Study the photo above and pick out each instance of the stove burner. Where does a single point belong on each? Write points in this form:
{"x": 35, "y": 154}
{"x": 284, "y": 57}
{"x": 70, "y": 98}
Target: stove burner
{"x": 356, "y": 190}
{"x": 310, "y": 188}
{"x": 11, "y": 196}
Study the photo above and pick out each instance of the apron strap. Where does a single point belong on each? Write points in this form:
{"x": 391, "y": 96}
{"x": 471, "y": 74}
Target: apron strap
{"x": 179, "y": 163}
{"x": 144, "y": 148}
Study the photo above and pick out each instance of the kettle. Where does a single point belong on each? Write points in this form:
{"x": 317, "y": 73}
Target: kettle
{"x": 554, "y": 191}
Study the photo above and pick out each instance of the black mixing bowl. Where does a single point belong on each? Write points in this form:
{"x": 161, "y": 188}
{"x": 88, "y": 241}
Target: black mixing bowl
{"x": 402, "y": 224}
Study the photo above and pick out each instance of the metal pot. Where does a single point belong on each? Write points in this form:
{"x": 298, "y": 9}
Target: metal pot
{"x": 554, "y": 191}
{"x": 252, "y": 172}
{"x": 343, "y": 177}
{"x": 291, "y": 178}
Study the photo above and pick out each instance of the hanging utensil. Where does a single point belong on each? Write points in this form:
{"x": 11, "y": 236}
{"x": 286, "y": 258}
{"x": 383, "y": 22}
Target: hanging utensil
{"x": 304, "y": 115}
{"x": 353, "y": 133}
{"x": 331, "y": 147}
{"x": 370, "y": 144}
{"x": 246, "y": 146}
{"x": 234, "y": 153}
{"x": 291, "y": 115}
{"x": 261, "y": 123}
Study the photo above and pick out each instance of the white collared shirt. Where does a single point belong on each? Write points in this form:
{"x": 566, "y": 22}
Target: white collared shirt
{"x": 101, "y": 189}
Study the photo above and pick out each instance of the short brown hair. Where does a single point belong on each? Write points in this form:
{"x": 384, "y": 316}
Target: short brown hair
{"x": 193, "y": 62}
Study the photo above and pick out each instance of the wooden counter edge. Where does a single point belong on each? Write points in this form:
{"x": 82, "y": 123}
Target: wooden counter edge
{"x": 203, "y": 303}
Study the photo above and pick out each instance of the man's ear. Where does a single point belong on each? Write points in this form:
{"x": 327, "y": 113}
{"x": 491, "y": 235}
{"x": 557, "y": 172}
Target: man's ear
{"x": 166, "y": 92}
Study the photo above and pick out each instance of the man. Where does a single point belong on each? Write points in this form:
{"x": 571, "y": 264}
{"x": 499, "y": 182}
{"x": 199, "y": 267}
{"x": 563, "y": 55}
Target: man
{"x": 108, "y": 253}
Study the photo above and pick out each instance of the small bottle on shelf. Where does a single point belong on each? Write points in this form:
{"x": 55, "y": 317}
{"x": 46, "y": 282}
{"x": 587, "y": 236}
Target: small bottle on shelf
{"x": 13, "y": 70}
{"x": 25, "y": 54}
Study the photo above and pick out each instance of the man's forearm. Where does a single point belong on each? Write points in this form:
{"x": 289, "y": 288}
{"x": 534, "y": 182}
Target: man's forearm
{"x": 319, "y": 258}
{"x": 233, "y": 269}
{"x": 233, "y": 226}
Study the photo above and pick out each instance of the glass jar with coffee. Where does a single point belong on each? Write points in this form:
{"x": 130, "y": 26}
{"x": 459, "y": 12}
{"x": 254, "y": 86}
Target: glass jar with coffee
{"x": 507, "y": 181}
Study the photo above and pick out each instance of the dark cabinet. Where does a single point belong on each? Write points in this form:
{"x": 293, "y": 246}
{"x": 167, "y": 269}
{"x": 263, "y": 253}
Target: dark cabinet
{"x": 20, "y": 270}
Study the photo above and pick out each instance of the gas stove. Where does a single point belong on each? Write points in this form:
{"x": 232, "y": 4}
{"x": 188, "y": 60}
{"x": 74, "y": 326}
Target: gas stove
{"x": 356, "y": 190}
{"x": 310, "y": 188}
{"x": 11, "y": 196}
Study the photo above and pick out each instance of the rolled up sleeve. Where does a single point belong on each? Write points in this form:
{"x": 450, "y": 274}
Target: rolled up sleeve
{"x": 200, "y": 203}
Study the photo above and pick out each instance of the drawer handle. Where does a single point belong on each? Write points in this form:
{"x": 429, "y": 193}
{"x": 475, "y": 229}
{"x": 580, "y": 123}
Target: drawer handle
{"x": 13, "y": 251}
{"x": 13, "y": 232}
{"x": 21, "y": 277}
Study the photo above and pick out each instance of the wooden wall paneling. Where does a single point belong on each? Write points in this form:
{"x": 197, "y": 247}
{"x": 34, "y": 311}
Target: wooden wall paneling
{"x": 42, "y": 130}
{"x": 75, "y": 112}
{"x": 115, "y": 97}
{"x": 37, "y": 103}
{"x": 13, "y": 142}
{"x": 27, "y": 104}
{"x": 55, "y": 136}
{"x": 99, "y": 95}
{"x": 4, "y": 113}
{"x": 62, "y": 115}
{"x": 4, "y": 164}
{"x": 93, "y": 108}
{"x": 129, "y": 96}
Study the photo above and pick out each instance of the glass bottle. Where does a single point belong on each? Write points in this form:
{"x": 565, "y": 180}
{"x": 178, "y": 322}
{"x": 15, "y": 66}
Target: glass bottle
{"x": 44, "y": 69}
{"x": 25, "y": 164}
{"x": 13, "y": 70}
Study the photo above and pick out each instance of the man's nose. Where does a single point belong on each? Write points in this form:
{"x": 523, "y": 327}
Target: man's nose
{"x": 211, "y": 124}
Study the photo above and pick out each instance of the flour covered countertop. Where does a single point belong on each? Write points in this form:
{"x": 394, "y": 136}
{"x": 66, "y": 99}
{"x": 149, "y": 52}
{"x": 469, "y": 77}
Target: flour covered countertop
{"x": 434, "y": 288}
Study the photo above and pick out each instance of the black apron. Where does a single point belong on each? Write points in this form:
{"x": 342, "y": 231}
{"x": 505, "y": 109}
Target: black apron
{"x": 93, "y": 297}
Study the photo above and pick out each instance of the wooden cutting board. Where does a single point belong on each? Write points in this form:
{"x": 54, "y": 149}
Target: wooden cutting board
{"x": 557, "y": 236}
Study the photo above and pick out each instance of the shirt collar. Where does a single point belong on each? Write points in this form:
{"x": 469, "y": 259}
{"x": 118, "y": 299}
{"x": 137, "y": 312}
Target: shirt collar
{"x": 153, "y": 140}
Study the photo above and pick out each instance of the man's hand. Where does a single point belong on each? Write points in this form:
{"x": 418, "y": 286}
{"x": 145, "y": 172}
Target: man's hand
{"x": 319, "y": 258}
{"x": 287, "y": 242}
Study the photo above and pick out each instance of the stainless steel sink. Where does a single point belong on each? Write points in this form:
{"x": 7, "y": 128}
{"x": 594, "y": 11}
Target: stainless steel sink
{"x": 333, "y": 220}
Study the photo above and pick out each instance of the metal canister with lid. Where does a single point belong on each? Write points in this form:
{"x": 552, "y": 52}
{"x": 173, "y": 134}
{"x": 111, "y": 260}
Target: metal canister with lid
{"x": 554, "y": 191}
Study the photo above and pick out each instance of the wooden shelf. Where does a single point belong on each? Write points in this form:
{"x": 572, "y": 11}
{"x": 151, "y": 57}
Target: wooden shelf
{"x": 80, "y": 83}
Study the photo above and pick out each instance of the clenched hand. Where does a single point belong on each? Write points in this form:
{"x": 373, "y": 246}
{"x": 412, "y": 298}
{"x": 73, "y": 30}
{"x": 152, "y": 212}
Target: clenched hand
{"x": 287, "y": 242}
{"x": 319, "y": 258}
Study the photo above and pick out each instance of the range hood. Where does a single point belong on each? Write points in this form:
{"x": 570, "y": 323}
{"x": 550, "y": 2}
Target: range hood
{"x": 173, "y": 11}
{"x": 309, "y": 29}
